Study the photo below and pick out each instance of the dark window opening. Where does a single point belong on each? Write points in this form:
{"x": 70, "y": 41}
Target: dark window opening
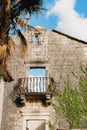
{"x": 36, "y": 42}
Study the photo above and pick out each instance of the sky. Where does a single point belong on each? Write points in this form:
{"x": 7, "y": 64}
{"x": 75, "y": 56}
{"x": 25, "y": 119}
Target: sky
{"x": 66, "y": 16}
{"x": 37, "y": 72}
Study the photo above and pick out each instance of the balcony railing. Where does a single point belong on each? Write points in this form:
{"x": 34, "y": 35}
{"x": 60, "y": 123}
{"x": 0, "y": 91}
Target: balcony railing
{"x": 35, "y": 84}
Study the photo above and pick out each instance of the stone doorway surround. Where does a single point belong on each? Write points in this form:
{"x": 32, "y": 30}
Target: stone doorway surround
{"x": 35, "y": 115}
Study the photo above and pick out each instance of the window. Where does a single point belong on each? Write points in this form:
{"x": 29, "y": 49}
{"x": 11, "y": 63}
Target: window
{"x": 36, "y": 42}
{"x": 37, "y": 80}
{"x": 37, "y": 72}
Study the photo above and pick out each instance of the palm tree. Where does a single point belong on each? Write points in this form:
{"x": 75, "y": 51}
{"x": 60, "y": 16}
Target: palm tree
{"x": 11, "y": 12}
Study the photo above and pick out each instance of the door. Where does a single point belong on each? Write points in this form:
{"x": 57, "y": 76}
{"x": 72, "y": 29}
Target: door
{"x": 35, "y": 125}
{"x": 37, "y": 82}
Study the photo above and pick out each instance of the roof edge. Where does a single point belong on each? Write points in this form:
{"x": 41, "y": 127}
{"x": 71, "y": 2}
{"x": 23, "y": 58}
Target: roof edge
{"x": 71, "y": 37}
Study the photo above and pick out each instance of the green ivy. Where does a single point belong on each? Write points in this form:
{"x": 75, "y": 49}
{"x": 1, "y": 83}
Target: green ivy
{"x": 72, "y": 103}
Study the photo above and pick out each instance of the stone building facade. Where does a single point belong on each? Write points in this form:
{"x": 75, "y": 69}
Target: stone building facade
{"x": 56, "y": 54}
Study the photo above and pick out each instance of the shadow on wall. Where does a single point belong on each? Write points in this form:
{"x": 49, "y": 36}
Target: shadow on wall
{"x": 16, "y": 94}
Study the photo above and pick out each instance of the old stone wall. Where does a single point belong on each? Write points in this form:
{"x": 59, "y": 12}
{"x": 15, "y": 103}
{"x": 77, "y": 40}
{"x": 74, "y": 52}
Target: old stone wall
{"x": 60, "y": 55}
{"x": 65, "y": 56}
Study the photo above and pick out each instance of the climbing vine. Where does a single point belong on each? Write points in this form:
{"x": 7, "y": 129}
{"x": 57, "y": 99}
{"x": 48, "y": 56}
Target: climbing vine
{"x": 72, "y": 103}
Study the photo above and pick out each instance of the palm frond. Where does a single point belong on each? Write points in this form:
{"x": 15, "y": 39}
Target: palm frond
{"x": 23, "y": 43}
{"x": 5, "y": 74}
{"x": 5, "y": 51}
{"x": 21, "y": 22}
{"x": 10, "y": 10}
{"x": 30, "y": 6}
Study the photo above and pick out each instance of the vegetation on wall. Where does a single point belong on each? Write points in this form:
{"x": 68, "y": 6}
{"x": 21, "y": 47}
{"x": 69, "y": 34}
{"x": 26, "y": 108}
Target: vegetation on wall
{"x": 72, "y": 103}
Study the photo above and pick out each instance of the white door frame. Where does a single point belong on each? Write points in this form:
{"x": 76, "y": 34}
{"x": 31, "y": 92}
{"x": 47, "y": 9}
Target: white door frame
{"x": 32, "y": 115}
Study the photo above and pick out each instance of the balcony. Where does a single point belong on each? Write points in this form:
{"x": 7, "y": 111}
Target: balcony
{"x": 35, "y": 88}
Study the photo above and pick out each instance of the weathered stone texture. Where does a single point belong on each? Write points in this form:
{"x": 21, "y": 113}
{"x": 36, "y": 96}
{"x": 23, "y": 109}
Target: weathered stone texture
{"x": 65, "y": 55}
{"x": 60, "y": 55}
